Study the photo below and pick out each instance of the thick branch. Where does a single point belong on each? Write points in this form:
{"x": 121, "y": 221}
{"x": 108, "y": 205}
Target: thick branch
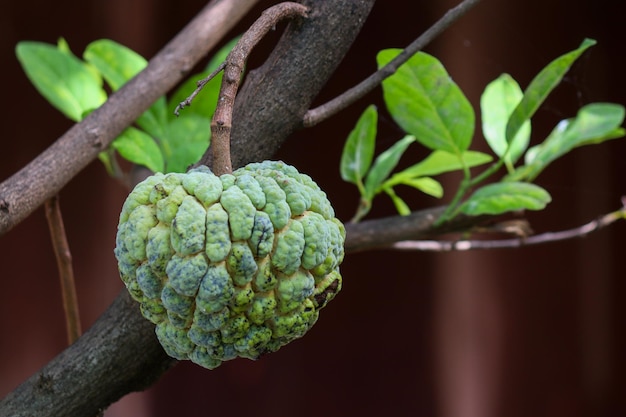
{"x": 274, "y": 98}
{"x": 42, "y": 178}
{"x": 382, "y": 233}
{"x": 117, "y": 355}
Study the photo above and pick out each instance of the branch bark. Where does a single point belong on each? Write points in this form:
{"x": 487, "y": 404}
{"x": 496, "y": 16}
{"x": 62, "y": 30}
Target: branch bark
{"x": 117, "y": 355}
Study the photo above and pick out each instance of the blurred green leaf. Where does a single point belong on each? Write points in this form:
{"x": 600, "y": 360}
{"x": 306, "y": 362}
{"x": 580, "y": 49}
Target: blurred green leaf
{"x": 594, "y": 123}
{"x": 185, "y": 141}
{"x": 503, "y": 197}
{"x": 118, "y": 64}
{"x": 497, "y": 103}
{"x": 401, "y": 206}
{"x": 541, "y": 86}
{"x": 63, "y": 79}
{"x": 439, "y": 162}
{"x": 383, "y": 165}
{"x": 426, "y": 185}
{"x": 358, "y": 151}
{"x": 139, "y": 148}
{"x": 426, "y": 103}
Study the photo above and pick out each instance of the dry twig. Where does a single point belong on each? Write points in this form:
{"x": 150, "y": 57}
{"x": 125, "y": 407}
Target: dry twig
{"x": 64, "y": 264}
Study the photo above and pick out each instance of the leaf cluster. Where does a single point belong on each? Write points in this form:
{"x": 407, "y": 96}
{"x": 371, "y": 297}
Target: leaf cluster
{"x": 158, "y": 140}
{"x": 425, "y": 102}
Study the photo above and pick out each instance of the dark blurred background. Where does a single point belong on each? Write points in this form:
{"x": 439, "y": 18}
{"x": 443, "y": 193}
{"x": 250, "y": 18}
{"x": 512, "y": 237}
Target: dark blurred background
{"x": 537, "y": 331}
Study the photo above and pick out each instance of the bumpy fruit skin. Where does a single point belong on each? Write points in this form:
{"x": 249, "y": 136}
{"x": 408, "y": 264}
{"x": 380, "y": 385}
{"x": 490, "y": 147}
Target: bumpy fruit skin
{"x": 236, "y": 265}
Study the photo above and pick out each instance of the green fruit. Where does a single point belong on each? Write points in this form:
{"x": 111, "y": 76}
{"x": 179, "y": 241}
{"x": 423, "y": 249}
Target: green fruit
{"x": 230, "y": 266}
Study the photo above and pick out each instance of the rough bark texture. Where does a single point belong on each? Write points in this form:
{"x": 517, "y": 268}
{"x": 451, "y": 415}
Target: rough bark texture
{"x": 117, "y": 355}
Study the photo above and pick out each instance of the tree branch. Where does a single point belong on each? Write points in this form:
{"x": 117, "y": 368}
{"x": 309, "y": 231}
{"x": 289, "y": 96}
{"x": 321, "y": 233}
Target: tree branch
{"x": 323, "y": 112}
{"x": 549, "y": 237}
{"x": 117, "y": 355}
{"x": 43, "y": 177}
{"x": 382, "y": 233}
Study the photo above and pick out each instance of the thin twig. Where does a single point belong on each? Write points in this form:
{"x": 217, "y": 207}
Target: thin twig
{"x": 463, "y": 245}
{"x": 200, "y": 85}
{"x": 233, "y": 68}
{"x": 64, "y": 264}
{"x": 326, "y": 110}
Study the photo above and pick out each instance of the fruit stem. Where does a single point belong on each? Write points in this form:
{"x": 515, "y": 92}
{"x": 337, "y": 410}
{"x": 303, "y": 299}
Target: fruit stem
{"x": 233, "y": 68}
{"x": 64, "y": 264}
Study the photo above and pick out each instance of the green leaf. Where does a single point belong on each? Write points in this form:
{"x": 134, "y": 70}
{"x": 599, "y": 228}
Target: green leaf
{"x": 497, "y": 103}
{"x": 204, "y": 103}
{"x": 401, "y": 206}
{"x": 358, "y": 152}
{"x": 118, "y": 64}
{"x": 426, "y": 103}
{"x": 439, "y": 162}
{"x": 185, "y": 141}
{"x": 63, "y": 79}
{"x": 541, "y": 86}
{"x": 139, "y": 148}
{"x": 503, "y": 197}
{"x": 594, "y": 123}
{"x": 426, "y": 185}
{"x": 384, "y": 164}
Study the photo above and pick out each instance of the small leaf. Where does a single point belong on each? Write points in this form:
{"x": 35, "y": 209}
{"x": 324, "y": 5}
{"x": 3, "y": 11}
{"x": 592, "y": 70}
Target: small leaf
{"x": 401, "y": 206}
{"x": 439, "y": 162}
{"x": 497, "y": 103}
{"x": 139, "y": 148}
{"x": 594, "y": 123}
{"x": 384, "y": 164}
{"x": 503, "y": 197}
{"x": 64, "y": 80}
{"x": 426, "y": 103}
{"x": 185, "y": 141}
{"x": 358, "y": 151}
{"x": 541, "y": 86}
{"x": 426, "y": 185}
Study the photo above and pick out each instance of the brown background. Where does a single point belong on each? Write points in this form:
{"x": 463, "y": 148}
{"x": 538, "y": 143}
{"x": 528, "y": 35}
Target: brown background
{"x": 530, "y": 332}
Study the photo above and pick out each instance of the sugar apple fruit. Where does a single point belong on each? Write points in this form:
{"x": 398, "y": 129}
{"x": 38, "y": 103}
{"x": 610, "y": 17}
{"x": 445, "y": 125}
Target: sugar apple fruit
{"x": 230, "y": 266}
